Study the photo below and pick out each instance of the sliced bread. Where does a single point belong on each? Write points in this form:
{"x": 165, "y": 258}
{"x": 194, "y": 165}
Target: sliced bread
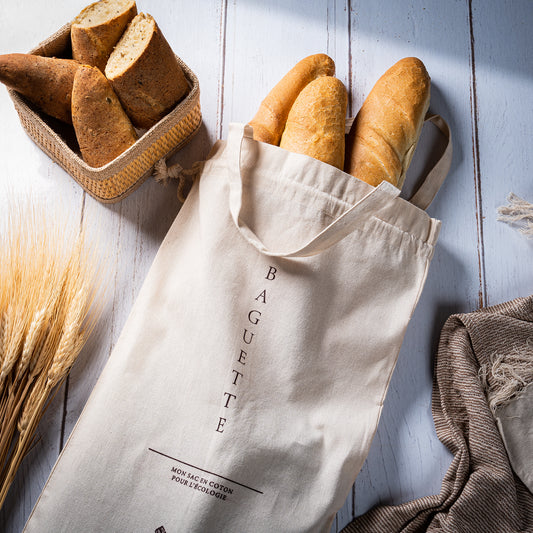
{"x": 102, "y": 127}
{"x": 145, "y": 72}
{"x": 97, "y": 29}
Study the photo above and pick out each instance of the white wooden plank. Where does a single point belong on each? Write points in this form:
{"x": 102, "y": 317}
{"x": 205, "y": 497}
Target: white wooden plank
{"x": 264, "y": 41}
{"x": 195, "y": 31}
{"x": 504, "y": 105}
{"x": 406, "y": 459}
{"x": 338, "y": 48}
{"x": 25, "y": 170}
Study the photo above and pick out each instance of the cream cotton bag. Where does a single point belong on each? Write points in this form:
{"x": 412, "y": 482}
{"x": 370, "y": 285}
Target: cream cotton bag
{"x": 247, "y": 384}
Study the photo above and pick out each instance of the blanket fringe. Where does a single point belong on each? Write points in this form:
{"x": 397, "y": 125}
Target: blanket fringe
{"x": 518, "y": 212}
{"x": 505, "y": 376}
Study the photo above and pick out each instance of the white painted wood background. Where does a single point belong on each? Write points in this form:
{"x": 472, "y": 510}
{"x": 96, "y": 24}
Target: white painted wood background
{"x": 478, "y": 54}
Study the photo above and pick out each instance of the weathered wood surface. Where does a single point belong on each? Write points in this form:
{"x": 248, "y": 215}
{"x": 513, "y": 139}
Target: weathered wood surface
{"x": 478, "y": 55}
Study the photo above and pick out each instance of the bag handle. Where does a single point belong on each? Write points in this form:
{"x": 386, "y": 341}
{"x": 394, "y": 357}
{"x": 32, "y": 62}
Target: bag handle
{"x": 429, "y": 188}
{"x": 336, "y": 231}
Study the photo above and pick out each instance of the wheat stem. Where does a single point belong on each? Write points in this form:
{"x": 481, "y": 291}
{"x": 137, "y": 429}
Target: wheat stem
{"x": 47, "y": 310}
{"x": 23, "y": 442}
{"x": 11, "y": 424}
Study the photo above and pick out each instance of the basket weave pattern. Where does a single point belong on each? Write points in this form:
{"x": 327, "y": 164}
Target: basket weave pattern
{"x": 128, "y": 171}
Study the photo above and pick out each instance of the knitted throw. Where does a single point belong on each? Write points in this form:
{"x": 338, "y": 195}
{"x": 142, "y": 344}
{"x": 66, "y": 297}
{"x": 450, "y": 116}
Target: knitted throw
{"x": 484, "y": 365}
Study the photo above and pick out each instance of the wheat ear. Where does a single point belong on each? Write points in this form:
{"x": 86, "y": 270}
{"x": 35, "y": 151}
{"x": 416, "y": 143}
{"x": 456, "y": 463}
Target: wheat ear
{"x": 70, "y": 343}
{"x": 13, "y": 337}
{"x": 33, "y": 341}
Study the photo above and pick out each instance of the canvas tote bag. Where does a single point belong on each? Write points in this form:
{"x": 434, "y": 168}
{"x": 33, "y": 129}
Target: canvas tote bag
{"x": 247, "y": 384}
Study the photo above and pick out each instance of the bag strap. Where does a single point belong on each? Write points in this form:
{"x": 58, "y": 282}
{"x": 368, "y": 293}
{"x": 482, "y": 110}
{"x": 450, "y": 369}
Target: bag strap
{"x": 429, "y": 188}
{"x": 336, "y": 231}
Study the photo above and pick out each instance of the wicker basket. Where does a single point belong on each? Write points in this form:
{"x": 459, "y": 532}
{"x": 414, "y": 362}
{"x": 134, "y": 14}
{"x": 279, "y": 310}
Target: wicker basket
{"x": 118, "y": 178}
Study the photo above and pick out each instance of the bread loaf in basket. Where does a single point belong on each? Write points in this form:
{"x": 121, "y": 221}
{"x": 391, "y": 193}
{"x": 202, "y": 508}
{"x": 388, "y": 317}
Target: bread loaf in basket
{"x": 121, "y": 176}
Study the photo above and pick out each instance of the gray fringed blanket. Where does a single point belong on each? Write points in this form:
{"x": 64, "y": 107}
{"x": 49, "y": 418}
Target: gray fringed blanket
{"x": 483, "y": 387}
{"x": 517, "y": 213}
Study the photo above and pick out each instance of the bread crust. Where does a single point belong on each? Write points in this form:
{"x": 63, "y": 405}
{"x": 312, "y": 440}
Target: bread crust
{"x": 153, "y": 84}
{"x": 316, "y": 122}
{"x": 44, "y": 81}
{"x": 385, "y": 132}
{"x": 102, "y": 127}
{"x": 269, "y": 121}
{"x": 93, "y": 44}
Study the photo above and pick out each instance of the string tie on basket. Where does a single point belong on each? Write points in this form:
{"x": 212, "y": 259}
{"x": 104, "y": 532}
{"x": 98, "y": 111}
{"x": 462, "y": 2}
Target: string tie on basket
{"x": 185, "y": 176}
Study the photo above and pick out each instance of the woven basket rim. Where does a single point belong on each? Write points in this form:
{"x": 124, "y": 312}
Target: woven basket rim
{"x": 180, "y": 111}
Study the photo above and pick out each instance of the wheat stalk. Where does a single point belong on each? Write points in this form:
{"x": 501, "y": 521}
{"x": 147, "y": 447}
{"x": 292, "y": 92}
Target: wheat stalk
{"x": 12, "y": 337}
{"x": 69, "y": 346}
{"x": 49, "y": 303}
{"x": 33, "y": 340}
{"x": 2, "y": 320}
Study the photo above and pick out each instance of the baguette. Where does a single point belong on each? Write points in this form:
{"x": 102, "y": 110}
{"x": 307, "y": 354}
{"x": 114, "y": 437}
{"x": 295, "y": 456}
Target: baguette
{"x": 316, "y": 122}
{"x": 145, "y": 73}
{"x": 269, "y": 121}
{"x": 44, "y": 81}
{"x": 383, "y": 137}
{"x": 102, "y": 127}
{"x": 97, "y": 29}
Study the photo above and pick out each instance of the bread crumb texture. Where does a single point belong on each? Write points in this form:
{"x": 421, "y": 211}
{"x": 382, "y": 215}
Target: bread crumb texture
{"x": 145, "y": 72}
{"x": 103, "y": 11}
{"x": 131, "y": 45}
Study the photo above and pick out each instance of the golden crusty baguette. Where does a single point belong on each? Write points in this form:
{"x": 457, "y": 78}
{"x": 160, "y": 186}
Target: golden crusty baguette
{"x": 316, "y": 122}
{"x": 97, "y": 29}
{"x": 385, "y": 132}
{"x": 102, "y": 127}
{"x": 269, "y": 121}
{"x": 44, "y": 81}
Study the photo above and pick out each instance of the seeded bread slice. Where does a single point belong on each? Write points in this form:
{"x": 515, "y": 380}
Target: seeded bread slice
{"x": 145, "y": 73}
{"x": 97, "y": 29}
{"x": 102, "y": 127}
